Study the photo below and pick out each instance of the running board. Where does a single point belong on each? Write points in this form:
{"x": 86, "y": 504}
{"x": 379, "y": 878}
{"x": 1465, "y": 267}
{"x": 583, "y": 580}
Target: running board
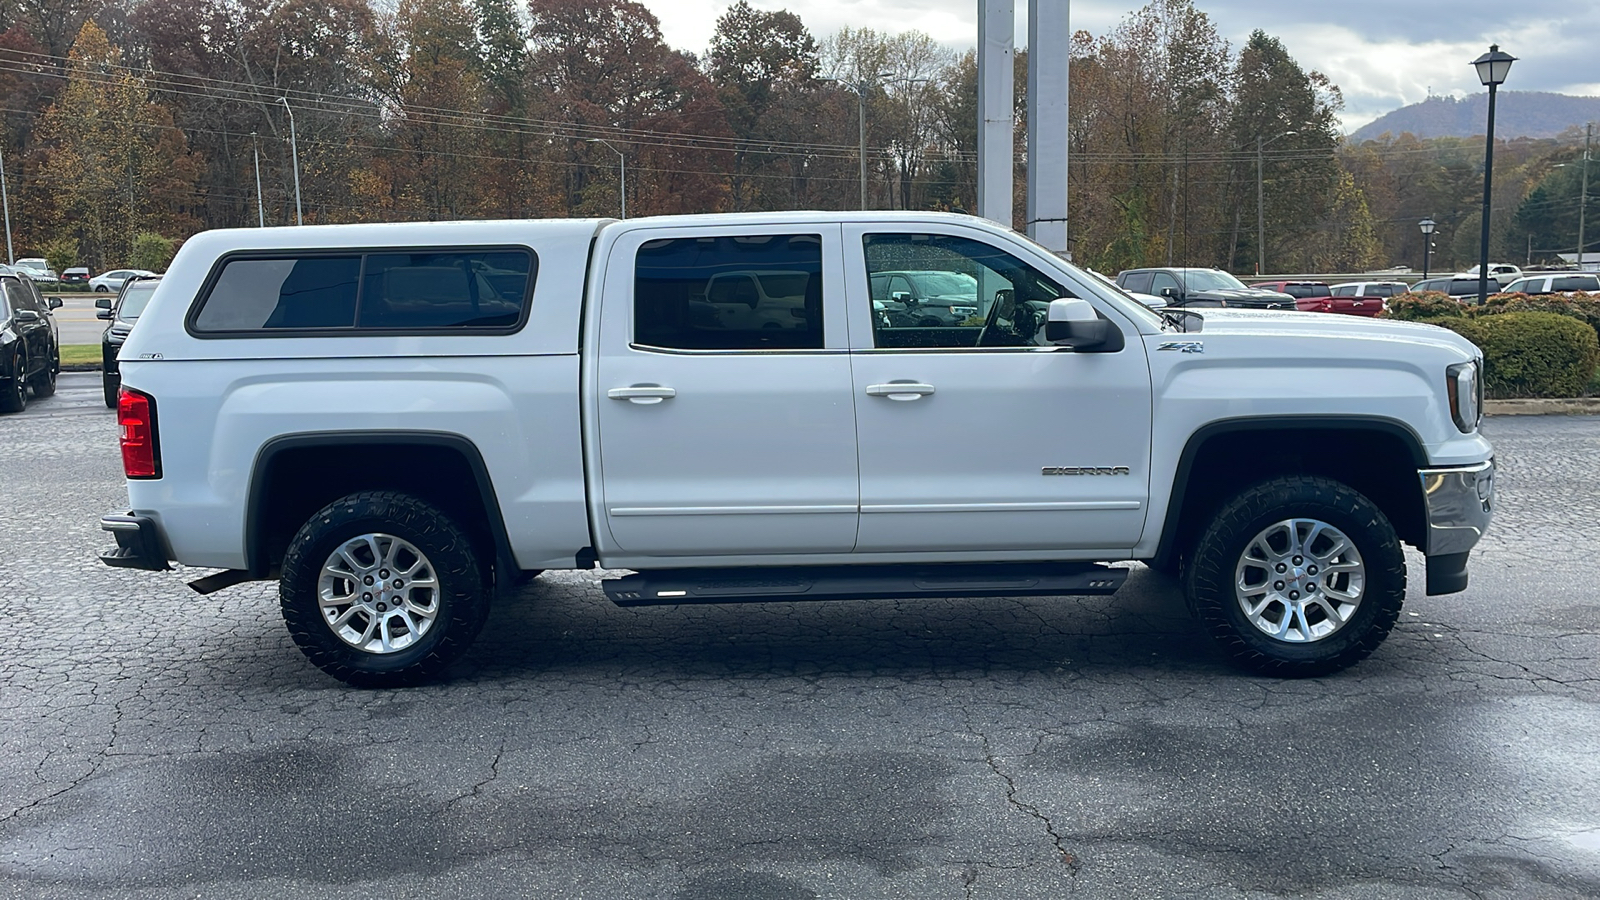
{"x": 672, "y": 586}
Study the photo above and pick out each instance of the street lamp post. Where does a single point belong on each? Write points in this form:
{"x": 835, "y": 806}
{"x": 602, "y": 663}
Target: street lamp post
{"x": 1583, "y": 190}
{"x": 1492, "y": 70}
{"x": 1261, "y": 221}
{"x": 622, "y": 171}
{"x": 1427, "y": 225}
{"x": 261, "y": 209}
{"x": 860, "y": 87}
{"x": 294, "y": 148}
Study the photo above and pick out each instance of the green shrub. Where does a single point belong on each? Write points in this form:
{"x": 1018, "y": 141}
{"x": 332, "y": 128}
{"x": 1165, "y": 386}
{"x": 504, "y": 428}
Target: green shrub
{"x": 1532, "y": 354}
{"x": 61, "y": 253}
{"x": 1577, "y": 304}
{"x": 1423, "y": 307}
{"x": 151, "y": 251}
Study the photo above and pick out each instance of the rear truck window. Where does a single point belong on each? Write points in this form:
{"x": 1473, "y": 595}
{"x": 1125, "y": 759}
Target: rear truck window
{"x": 372, "y": 291}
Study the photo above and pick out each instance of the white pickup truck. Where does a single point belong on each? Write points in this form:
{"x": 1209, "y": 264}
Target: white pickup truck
{"x": 398, "y": 422}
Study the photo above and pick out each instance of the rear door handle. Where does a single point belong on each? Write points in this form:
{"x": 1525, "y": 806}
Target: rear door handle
{"x": 643, "y": 394}
{"x": 900, "y": 390}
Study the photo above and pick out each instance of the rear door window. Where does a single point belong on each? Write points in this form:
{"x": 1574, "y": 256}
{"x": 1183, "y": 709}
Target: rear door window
{"x": 745, "y": 292}
{"x": 1136, "y": 281}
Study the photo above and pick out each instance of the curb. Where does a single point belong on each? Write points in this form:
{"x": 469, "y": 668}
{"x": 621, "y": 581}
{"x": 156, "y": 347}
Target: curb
{"x": 81, "y": 367}
{"x": 1577, "y": 406}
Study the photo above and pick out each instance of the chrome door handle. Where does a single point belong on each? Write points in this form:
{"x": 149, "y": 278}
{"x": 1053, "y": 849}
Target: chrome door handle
{"x": 900, "y": 390}
{"x": 643, "y": 394}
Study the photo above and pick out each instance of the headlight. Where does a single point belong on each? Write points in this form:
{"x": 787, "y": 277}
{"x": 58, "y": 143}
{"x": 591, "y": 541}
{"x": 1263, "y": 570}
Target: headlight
{"x": 1464, "y": 383}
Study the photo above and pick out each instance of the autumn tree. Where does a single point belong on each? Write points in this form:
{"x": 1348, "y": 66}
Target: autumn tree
{"x": 116, "y": 165}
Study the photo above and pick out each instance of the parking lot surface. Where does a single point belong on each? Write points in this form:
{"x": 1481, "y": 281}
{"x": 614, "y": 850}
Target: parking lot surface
{"x": 155, "y": 743}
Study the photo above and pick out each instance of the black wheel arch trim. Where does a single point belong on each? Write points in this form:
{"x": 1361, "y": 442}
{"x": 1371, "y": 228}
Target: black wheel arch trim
{"x": 1180, "y": 480}
{"x": 259, "y": 567}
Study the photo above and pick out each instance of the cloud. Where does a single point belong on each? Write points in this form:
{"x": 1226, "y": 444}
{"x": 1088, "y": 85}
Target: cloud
{"x": 1382, "y": 54}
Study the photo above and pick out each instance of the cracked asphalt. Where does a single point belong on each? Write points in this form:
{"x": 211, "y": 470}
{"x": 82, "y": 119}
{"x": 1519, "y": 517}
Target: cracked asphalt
{"x": 159, "y": 744}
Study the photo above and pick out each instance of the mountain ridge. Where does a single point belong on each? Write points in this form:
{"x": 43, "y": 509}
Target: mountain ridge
{"x": 1534, "y": 114}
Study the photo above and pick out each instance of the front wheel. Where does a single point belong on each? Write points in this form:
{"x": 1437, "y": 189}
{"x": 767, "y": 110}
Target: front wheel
{"x": 380, "y": 589}
{"x": 44, "y": 384}
{"x": 15, "y": 398}
{"x": 1298, "y": 577}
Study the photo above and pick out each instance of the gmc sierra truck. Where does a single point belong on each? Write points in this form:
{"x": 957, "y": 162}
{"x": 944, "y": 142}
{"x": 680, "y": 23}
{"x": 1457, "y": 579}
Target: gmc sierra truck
{"x": 400, "y": 422}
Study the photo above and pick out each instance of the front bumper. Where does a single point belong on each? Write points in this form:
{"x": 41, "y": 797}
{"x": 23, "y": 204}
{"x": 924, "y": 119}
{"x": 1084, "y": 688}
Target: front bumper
{"x": 140, "y": 544}
{"x": 1458, "y": 505}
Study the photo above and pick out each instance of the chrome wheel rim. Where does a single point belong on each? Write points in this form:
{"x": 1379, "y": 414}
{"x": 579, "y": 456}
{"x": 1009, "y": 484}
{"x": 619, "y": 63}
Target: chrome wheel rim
{"x": 1300, "y": 580}
{"x": 378, "y": 593}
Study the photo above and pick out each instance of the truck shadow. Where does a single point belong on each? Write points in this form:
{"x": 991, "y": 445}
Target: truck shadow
{"x": 562, "y": 622}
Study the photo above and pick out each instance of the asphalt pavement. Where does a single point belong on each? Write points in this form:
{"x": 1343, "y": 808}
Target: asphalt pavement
{"x": 159, "y": 744}
{"x": 76, "y": 318}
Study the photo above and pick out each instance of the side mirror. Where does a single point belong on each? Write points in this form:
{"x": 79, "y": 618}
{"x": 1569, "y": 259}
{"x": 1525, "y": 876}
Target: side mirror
{"x": 102, "y": 314}
{"x": 1074, "y": 324}
{"x": 55, "y": 302}
{"x": 1169, "y": 293}
{"x": 900, "y": 296}
{"x": 102, "y": 303}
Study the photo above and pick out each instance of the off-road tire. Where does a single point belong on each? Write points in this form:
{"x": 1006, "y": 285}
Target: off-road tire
{"x": 462, "y": 592}
{"x": 1210, "y": 575}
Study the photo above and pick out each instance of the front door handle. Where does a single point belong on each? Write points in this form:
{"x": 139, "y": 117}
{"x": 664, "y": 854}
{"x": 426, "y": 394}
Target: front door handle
{"x": 643, "y": 394}
{"x": 900, "y": 390}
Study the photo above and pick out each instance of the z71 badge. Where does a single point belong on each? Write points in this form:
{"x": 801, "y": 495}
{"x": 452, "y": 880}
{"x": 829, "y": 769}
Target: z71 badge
{"x": 1084, "y": 470}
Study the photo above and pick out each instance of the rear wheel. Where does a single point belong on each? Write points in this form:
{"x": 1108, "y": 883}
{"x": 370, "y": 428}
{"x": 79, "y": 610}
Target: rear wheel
{"x": 380, "y": 589}
{"x": 112, "y": 386}
{"x": 44, "y": 383}
{"x": 15, "y": 397}
{"x": 1297, "y": 577}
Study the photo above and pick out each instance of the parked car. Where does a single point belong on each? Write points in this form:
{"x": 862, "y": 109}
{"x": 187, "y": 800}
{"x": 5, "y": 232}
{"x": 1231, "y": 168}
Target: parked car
{"x": 1150, "y": 300}
{"x": 280, "y": 419}
{"x": 928, "y": 298}
{"x": 30, "y": 344}
{"x": 38, "y": 269}
{"x": 1201, "y": 288}
{"x": 1458, "y": 286}
{"x": 1370, "y": 288}
{"x": 122, "y": 313}
{"x": 1553, "y": 284}
{"x": 107, "y": 282}
{"x": 75, "y": 275}
{"x": 1317, "y": 296}
{"x": 1505, "y": 272}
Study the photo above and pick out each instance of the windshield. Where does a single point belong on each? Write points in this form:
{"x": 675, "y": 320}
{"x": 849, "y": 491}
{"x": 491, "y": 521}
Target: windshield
{"x": 935, "y": 284}
{"x": 134, "y": 299}
{"x": 38, "y": 265}
{"x": 1210, "y": 280}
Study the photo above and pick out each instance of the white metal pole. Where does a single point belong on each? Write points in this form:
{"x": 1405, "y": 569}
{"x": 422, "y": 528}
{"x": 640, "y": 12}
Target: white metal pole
{"x": 1049, "y": 36}
{"x": 1583, "y": 193}
{"x": 996, "y": 118}
{"x": 294, "y": 148}
{"x": 261, "y": 209}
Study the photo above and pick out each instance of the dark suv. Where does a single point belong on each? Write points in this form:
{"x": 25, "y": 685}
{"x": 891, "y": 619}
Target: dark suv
{"x": 30, "y": 345}
{"x": 130, "y": 302}
{"x": 1201, "y": 288}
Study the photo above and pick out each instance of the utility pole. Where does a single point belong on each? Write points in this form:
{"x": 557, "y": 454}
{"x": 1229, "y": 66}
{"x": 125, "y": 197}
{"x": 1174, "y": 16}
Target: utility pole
{"x": 1583, "y": 192}
{"x": 1261, "y": 221}
{"x": 294, "y": 147}
{"x": 261, "y": 210}
{"x": 11, "y": 255}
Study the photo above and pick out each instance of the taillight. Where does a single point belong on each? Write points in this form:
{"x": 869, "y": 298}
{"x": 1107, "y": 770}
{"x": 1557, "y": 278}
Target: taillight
{"x": 136, "y": 418}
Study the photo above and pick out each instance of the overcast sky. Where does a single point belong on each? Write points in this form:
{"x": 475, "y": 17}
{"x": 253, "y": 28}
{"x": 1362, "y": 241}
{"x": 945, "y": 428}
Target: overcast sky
{"x": 1383, "y": 54}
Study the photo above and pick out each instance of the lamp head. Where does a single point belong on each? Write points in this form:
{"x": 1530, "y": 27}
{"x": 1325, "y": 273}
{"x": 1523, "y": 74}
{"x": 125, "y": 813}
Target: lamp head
{"x": 1494, "y": 66}
{"x": 1427, "y": 226}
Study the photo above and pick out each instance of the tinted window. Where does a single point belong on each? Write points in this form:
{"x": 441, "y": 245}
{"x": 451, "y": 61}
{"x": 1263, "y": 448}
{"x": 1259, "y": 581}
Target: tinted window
{"x": 1385, "y": 290}
{"x": 751, "y": 292}
{"x": 1137, "y": 281}
{"x": 1161, "y": 281}
{"x": 134, "y": 299}
{"x": 403, "y": 289}
{"x": 1524, "y": 286}
{"x": 455, "y": 289}
{"x": 1575, "y": 283}
{"x": 1344, "y": 290}
{"x": 18, "y": 296}
{"x": 305, "y": 292}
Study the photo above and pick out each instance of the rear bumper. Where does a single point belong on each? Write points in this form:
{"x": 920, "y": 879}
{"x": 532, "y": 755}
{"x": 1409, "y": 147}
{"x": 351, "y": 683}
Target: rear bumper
{"x": 1459, "y": 504}
{"x": 140, "y": 544}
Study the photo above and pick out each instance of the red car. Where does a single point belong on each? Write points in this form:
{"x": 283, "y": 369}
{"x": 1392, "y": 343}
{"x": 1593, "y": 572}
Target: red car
{"x": 1316, "y": 296}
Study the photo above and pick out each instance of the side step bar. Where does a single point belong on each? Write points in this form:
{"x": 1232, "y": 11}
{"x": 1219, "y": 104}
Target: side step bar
{"x": 672, "y": 586}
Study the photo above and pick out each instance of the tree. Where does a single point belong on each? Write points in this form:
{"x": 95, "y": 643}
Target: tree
{"x": 115, "y": 165}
